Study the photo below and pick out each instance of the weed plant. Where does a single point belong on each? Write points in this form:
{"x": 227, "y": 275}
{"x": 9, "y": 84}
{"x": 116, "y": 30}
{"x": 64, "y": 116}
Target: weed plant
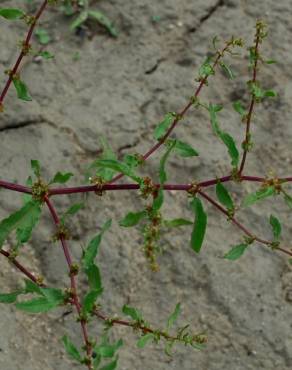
{"x": 103, "y": 176}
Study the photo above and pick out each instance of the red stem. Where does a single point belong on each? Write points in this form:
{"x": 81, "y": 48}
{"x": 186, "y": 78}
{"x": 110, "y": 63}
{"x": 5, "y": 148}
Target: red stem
{"x": 19, "y": 266}
{"x": 75, "y": 297}
{"x": 22, "y": 53}
{"x": 251, "y": 107}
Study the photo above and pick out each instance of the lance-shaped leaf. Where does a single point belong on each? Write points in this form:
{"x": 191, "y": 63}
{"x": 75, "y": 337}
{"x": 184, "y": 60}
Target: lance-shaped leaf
{"x": 71, "y": 349}
{"x": 36, "y": 167}
{"x": 107, "y": 153}
{"x": 71, "y": 211}
{"x": 21, "y": 89}
{"x": 141, "y": 343}
{"x": 287, "y": 199}
{"x": 227, "y": 70}
{"x": 27, "y": 197}
{"x": 224, "y": 136}
{"x": 43, "y": 36}
{"x": 164, "y": 125}
{"x": 10, "y": 297}
{"x": 158, "y": 201}
{"x": 176, "y": 222}
{"x": 182, "y": 149}
{"x": 132, "y": 312}
{"x": 111, "y": 366}
{"x": 108, "y": 350}
{"x": 262, "y": 193}
{"x": 224, "y": 196}
{"x": 132, "y": 218}
{"x": 206, "y": 68}
{"x": 11, "y": 13}
{"x": 93, "y": 276}
{"x": 117, "y": 166}
{"x": 24, "y": 220}
{"x": 89, "y": 300}
{"x": 237, "y": 106}
{"x": 276, "y": 227}
{"x": 32, "y": 287}
{"x": 92, "y": 248}
{"x": 82, "y": 17}
{"x": 61, "y": 178}
{"x": 104, "y": 21}
{"x": 200, "y": 225}
{"x": 36, "y": 305}
{"x": 173, "y": 317}
{"x": 236, "y": 252}
{"x": 132, "y": 160}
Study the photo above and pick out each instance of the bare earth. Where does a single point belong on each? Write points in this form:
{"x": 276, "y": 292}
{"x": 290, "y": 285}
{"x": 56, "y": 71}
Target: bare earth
{"x": 120, "y": 88}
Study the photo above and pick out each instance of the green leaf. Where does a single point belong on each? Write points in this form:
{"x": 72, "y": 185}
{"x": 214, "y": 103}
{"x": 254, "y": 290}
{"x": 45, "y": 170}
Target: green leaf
{"x": 173, "y": 317}
{"x": 200, "y": 224}
{"x": 206, "y": 69}
{"x": 27, "y": 197}
{"x": 92, "y": 248}
{"x": 158, "y": 200}
{"x": 89, "y": 300}
{"x": 225, "y": 137}
{"x": 82, "y": 17}
{"x": 236, "y": 252}
{"x": 107, "y": 350}
{"x": 145, "y": 339}
{"x": 131, "y": 160}
{"x": 107, "y": 153}
{"x": 9, "y": 297}
{"x": 227, "y": 70}
{"x": 53, "y": 295}
{"x": 162, "y": 173}
{"x": 31, "y": 287}
{"x": 288, "y": 200}
{"x": 276, "y": 226}
{"x": 71, "y": 349}
{"x": 118, "y": 167}
{"x": 104, "y": 21}
{"x": 36, "y": 305}
{"x": 260, "y": 194}
{"x": 161, "y": 130}
{"x": 132, "y": 312}
{"x": 93, "y": 276}
{"x": 71, "y": 211}
{"x": 21, "y": 89}
{"x": 132, "y": 218}
{"x": 11, "y": 13}
{"x": 237, "y": 106}
{"x": 177, "y": 222}
{"x": 24, "y": 219}
{"x": 61, "y": 178}
{"x": 42, "y": 35}
{"x": 270, "y": 93}
{"x": 36, "y": 167}
{"x": 46, "y": 54}
{"x": 111, "y": 366}
{"x": 182, "y": 149}
{"x": 168, "y": 347}
{"x": 270, "y": 61}
{"x": 224, "y": 196}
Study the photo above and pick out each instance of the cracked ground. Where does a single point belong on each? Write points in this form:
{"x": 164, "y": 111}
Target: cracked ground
{"x": 120, "y": 89}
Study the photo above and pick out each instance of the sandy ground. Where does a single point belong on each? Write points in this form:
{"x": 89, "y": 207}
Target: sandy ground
{"x": 120, "y": 88}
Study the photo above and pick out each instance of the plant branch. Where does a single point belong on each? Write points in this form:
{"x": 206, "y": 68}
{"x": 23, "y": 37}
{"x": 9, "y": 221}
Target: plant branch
{"x": 240, "y": 226}
{"x": 74, "y": 292}
{"x": 252, "y": 103}
{"x": 23, "y": 53}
